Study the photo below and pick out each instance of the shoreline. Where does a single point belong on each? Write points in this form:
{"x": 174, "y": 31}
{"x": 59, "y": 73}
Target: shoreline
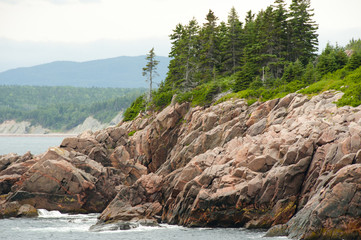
{"x": 39, "y": 135}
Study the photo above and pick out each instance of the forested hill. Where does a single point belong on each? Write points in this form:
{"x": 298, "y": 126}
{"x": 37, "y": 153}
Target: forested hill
{"x": 119, "y": 72}
{"x": 63, "y": 108}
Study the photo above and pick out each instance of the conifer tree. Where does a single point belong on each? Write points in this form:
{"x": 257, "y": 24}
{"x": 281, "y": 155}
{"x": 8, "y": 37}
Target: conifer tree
{"x": 310, "y": 75}
{"x": 354, "y": 45}
{"x": 354, "y": 61}
{"x": 191, "y": 51}
{"x": 184, "y": 54}
{"x": 209, "y": 47}
{"x": 233, "y": 42}
{"x": 150, "y": 70}
{"x": 175, "y": 73}
{"x": 279, "y": 37}
{"x": 293, "y": 71}
{"x": 249, "y": 65}
{"x": 265, "y": 43}
{"x": 224, "y": 49}
{"x": 331, "y": 59}
{"x": 303, "y": 36}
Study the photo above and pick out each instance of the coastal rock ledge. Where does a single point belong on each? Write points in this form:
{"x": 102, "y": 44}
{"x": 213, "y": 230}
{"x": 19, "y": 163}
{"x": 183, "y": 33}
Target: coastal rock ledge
{"x": 291, "y": 165}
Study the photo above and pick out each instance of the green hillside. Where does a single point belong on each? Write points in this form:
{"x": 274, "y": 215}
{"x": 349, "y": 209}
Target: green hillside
{"x": 62, "y": 108}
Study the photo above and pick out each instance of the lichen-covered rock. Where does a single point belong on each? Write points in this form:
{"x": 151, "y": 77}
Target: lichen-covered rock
{"x": 15, "y": 209}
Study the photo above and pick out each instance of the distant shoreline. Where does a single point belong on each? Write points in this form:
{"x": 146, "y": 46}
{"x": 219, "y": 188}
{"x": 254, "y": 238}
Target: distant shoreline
{"x": 38, "y": 135}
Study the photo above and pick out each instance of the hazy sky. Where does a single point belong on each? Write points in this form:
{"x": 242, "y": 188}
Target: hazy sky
{"x": 40, "y": 31}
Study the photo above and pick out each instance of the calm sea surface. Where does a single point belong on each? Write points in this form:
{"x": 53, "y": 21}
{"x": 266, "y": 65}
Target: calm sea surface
{"x": 56, "y": 226}
{"x": 34, "y": 144}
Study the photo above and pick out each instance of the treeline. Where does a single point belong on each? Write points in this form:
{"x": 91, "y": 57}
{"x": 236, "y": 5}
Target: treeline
{"x": 263, "y": 43}
{"x": 62, "y": 108}
{"x": 267, "y": 55}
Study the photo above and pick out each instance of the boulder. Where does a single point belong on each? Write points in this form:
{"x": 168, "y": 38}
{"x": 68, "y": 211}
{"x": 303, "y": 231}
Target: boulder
{"x": 15, "y": 209}
{"x": 135, "y": 204}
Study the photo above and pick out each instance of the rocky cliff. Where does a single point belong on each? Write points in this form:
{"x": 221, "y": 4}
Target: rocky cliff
{"x": 292, "y": 165}
{"x": 13, "y": 127}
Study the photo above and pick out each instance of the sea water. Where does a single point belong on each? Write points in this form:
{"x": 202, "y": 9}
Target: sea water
{"x": 35, "y": 144}
{"x": 56, "y": 226}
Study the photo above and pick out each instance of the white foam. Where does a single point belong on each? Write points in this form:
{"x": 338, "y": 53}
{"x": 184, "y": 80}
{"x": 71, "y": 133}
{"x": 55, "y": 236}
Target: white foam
{"x": 51, "y": 214}
{"x": 141, "y": 228}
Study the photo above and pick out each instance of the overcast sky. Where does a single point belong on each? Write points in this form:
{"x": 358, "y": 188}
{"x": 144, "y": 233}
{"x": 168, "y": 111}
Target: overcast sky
{"x": 39, "y": 31}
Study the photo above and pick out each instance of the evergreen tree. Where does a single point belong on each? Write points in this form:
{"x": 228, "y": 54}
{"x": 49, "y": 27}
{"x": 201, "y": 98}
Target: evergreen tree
{"x": 265, "y": 44}
{"x": 354, "y": 45}
{"x": 209, "y": 47}
{"x": 176, "y": 68}
{"x": 233, "y": 44}
{"x": 184, "y": 53}
{"x": 331, "y": 59}
{"x": 191, "y": 52}
{"x": 310, "y": 75}
{"x": 303, "y": 36}
{"x": 223, "y": 48}
{"x": 279, "y": 38}
{"x": 150, "y": 70}
{"x": 294, "y": 71}
{"x": 354, "y": 61}
{"x": 249, "y": 67}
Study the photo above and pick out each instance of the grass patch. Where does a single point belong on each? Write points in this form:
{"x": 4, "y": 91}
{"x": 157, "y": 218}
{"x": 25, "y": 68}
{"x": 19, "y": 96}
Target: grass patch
{"x": 348, "y": 82}
{"x": 131, "y": 133}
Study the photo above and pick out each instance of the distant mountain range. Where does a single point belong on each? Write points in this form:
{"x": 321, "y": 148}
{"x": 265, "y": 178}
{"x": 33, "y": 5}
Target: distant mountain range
{"x": 120, "y": 72}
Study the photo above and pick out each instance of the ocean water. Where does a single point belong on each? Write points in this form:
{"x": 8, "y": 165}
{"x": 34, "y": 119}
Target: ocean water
{"x": 34, "y": 144}
{"x": 56, "y": 226}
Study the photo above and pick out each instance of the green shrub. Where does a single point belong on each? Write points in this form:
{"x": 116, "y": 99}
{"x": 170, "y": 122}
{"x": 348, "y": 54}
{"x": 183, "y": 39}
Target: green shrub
{"x": 131, "y": 133}
{"x": 200, "y": 95}
{"x": 162, "y": 99}
{"x": 133, "y": 111}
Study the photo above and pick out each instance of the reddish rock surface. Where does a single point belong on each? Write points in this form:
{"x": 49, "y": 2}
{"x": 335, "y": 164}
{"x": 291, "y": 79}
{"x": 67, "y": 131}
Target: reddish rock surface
{"x": 290, "y": 164}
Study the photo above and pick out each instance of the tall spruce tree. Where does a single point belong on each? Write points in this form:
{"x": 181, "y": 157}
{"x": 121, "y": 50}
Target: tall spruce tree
{"x": 279, "y": 37}
{"x": 265, "y": 44}
{"x": 209, "y": 47}
{"x": 184, "y": 54}
{"x": 191, "y": 52}
{"x": 150, "y": 70}
{"x": 331, "y": 59}
{"x": 233, "y": 44}
{"x": 249, "y": 66}
{"x": 303, "y": 36}
{"x": 223, "y": 48}
{"x": 175, "y": 75}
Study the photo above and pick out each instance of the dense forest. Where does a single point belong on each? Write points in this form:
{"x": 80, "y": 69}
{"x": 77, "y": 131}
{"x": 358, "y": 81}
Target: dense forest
{"x": 62, "y": 108}
{"x": 268, "y": 55}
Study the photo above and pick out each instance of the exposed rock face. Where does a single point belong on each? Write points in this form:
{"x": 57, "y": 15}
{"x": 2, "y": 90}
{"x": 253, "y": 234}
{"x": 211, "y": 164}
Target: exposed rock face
{"x": 13, "y": 127}
{"x": 290, "y": 164}
{"x": 61, "y": 180}
{"x": 89, "y": 123}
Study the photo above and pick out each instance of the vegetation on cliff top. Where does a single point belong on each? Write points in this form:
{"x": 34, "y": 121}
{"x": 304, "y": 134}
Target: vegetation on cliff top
{"x": 267, "y": 56}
